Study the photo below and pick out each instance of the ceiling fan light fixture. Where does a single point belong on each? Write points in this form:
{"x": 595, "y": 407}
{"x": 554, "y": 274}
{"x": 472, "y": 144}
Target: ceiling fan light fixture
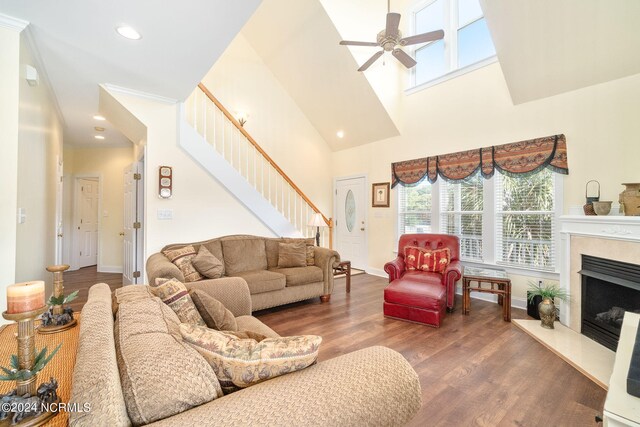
{"x": 128, "y": 32}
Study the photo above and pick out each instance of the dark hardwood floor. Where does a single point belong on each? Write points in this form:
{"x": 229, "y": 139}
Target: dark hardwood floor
{"x": 474, "y": 370}
{"x": 83, "y": 279}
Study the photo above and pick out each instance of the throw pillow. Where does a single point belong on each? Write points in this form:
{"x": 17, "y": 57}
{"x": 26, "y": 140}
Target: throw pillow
{"x": 424, "y": 259}
{"x": 207, "y": 264}
{"x": 182, "y": 259}
{"x": 240, "y": 363}
{"x": 173, "y": 293}
{"x": 214, "y": 314}
{"x": 292, "y": 254}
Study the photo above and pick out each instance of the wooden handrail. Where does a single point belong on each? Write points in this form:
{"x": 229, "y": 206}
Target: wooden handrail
{"x": 253, "y": 142}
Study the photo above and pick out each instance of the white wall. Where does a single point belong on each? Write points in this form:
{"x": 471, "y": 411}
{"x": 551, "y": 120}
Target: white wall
{"x": 475, "y": 110}
{"x": 108, "y": 163}
{"x": 202, "y": 208}
{"x": 241, "y": 81}
{"x": 39, "y": 148}
{"x": 9, "y": 75}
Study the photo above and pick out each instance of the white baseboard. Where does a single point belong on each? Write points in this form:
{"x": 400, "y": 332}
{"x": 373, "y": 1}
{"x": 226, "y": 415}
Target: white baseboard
{"x": 110, "y": 269}
{"x": 377, "y": 272}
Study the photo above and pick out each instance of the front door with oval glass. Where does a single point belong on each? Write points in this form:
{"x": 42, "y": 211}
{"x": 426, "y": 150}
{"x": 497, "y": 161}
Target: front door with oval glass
{"x": 351, "y": 221}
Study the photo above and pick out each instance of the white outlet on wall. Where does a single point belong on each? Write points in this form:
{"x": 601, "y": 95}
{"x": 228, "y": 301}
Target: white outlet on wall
{"x": 165, "y": 213}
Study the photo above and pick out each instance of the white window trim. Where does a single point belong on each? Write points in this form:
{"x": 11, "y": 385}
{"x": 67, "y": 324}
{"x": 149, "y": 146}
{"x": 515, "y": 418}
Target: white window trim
{"x": 488, "y": 228}
{"x": 450, "y": 46}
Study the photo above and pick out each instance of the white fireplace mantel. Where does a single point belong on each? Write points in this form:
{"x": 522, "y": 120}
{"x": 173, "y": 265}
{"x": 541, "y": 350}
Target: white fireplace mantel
{"x": 625, "y": 229}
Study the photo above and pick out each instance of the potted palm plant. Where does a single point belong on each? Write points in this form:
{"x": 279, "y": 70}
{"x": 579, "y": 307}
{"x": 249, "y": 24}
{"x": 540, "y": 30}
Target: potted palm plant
{"x": 547, "y": 308}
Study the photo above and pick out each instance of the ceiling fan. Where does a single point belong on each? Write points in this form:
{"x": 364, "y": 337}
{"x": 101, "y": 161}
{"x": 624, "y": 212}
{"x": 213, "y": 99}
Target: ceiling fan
{"x": 390, "y": 38}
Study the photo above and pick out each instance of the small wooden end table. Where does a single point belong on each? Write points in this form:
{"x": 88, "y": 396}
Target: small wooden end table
{"x": 500, "y": 285}
{"x": 344, "y": 267}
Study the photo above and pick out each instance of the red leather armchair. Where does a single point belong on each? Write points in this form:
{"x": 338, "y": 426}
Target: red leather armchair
{"x": 424, "y": 290}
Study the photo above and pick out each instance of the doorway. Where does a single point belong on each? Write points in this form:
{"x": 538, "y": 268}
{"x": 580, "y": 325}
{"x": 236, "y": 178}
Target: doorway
{"x": 86, "y": 221}
{"x": 133, "y": 248}
{"x": 351, "y": 218}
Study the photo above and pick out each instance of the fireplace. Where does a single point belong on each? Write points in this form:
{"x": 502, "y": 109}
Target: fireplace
{"x": 609, "y": 288}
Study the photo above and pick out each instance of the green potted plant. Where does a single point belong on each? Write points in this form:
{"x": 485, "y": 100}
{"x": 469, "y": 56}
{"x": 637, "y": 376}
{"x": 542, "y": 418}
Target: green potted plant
{"x": 547, "y": 308}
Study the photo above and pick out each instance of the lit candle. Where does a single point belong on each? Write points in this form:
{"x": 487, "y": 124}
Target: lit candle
{"x": 25, "y": 296}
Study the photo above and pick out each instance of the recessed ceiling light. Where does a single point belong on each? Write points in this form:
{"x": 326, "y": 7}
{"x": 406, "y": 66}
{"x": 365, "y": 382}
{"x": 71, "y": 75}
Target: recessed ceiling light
{"x": 99, "y": 137}
{"x": 340, "y": 134}
{"x": 98, "y": 117}
{"x": 99, "y": 129}
{"x": 128, "y": 32}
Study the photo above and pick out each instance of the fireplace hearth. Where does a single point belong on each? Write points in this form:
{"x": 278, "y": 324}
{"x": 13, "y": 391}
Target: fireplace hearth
{"x": 609, "y": 289}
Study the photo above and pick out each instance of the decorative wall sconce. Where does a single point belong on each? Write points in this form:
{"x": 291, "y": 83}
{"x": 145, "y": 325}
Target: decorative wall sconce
{"x": 165, "y": 182}
{"x": 242, "y": 117}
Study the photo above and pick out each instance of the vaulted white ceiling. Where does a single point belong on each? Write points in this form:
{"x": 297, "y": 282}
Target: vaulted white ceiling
{"x": 547, "y": 47}
{"x": 299, "y": 43}
{"x": 80, "y": 49}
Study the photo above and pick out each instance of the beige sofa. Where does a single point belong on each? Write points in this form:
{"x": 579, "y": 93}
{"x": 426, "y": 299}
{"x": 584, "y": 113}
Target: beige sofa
{"x": 375, "y": 386}
{"x": 255, "y": 259}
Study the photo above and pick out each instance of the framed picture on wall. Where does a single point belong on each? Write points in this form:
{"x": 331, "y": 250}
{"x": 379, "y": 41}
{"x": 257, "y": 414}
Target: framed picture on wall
{"x": 380, "y": 195}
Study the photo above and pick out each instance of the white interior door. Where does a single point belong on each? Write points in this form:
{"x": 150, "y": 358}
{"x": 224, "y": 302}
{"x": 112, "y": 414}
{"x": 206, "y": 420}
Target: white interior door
{"x": 129, "y": 238}
{"x": 59, "y": 203}
{"x": 87, "y": 199}
{"x": 351, "y": 212}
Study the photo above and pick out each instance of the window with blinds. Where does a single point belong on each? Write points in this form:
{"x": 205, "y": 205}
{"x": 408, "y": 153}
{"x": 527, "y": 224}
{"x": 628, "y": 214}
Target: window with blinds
{"x": 525, "y": 220}
{"x": 461, "y": 210}
{"x": 414, "y": 208}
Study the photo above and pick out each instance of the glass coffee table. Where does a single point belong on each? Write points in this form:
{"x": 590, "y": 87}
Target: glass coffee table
{"x": 495, "y": 281}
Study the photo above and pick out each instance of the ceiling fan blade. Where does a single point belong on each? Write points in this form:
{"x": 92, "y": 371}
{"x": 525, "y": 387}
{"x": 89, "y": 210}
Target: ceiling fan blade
{"x": 422, "y": 38}
{"x": 393, "y": 22}
{"x": 401, "y": 56}
{"x": 371, "y": 60}
{"x": 352, "y": 43}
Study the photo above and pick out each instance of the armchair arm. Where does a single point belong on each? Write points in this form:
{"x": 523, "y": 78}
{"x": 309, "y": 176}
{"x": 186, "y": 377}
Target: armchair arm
{"x": 451, "y": 275}
{"x": 232, "y": 292}
{"x": 159, "y": 265}
{"x": 394, "y": 268}
{"x": 325, "y": 258}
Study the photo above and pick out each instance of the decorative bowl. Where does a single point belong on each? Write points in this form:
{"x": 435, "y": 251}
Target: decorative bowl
{"x": 602, "y": 208}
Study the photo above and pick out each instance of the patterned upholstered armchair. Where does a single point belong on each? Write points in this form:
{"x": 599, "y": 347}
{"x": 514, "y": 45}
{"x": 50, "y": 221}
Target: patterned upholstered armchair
{"x": 422, "y": 296}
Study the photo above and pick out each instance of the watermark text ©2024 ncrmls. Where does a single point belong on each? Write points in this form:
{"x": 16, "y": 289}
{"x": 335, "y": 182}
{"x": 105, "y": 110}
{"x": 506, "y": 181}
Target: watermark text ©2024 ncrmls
{"x": 44, "y": 407}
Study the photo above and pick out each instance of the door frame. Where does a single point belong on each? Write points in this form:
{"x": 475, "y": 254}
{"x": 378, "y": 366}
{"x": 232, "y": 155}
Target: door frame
{"x": 59, "y": 221}
{"x": 141, "y": 242}
{"x": 76, "y": 215}
{"x": 366, "y": 210}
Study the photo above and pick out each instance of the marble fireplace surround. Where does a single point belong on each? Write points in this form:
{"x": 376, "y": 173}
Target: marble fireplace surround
{"x": 610, "y": 237}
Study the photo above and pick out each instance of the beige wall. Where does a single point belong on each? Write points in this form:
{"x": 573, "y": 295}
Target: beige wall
{"x": 241, "y": 81}
{"x": 40, "y": 147}
{"x": 108, "y": 163}
{"x": 9, "y": 101}
{"x": 475, "y": 110}
{"x": 201, "y": 207}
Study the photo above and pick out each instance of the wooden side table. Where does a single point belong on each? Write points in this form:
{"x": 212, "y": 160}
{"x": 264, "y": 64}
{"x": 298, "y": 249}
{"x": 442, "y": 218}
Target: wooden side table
{"x": 344, "y": 267}
{"x": 499, "y": 282}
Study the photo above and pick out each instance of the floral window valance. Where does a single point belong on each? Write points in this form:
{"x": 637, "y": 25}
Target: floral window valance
{"x": 516, "y": 158}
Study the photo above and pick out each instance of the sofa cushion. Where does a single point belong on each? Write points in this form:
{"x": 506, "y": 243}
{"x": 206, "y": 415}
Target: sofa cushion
{"x": 240, "y": 363}
{"x": 161, "y": 376}
{"x": 215, "y": 315}
{"x": 244, "y": 255}
{"x": 173, "y": 293}
{"x": 215, "y": 247}
{"x": 208, "y": 264}
{"x": 301, "y": 275}
{"x": 292, "y": 254}
{"x": 129, "y": 293}
{"x": 272, "y": 249}
{"x": 424, "y": 259}
{"x": 182, "y": 257}
{"x": 250, "y": 323}
{"x": 260, "y": 281}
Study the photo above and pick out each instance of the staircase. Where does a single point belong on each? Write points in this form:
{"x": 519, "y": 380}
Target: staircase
{"x": 219, "y": 143}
